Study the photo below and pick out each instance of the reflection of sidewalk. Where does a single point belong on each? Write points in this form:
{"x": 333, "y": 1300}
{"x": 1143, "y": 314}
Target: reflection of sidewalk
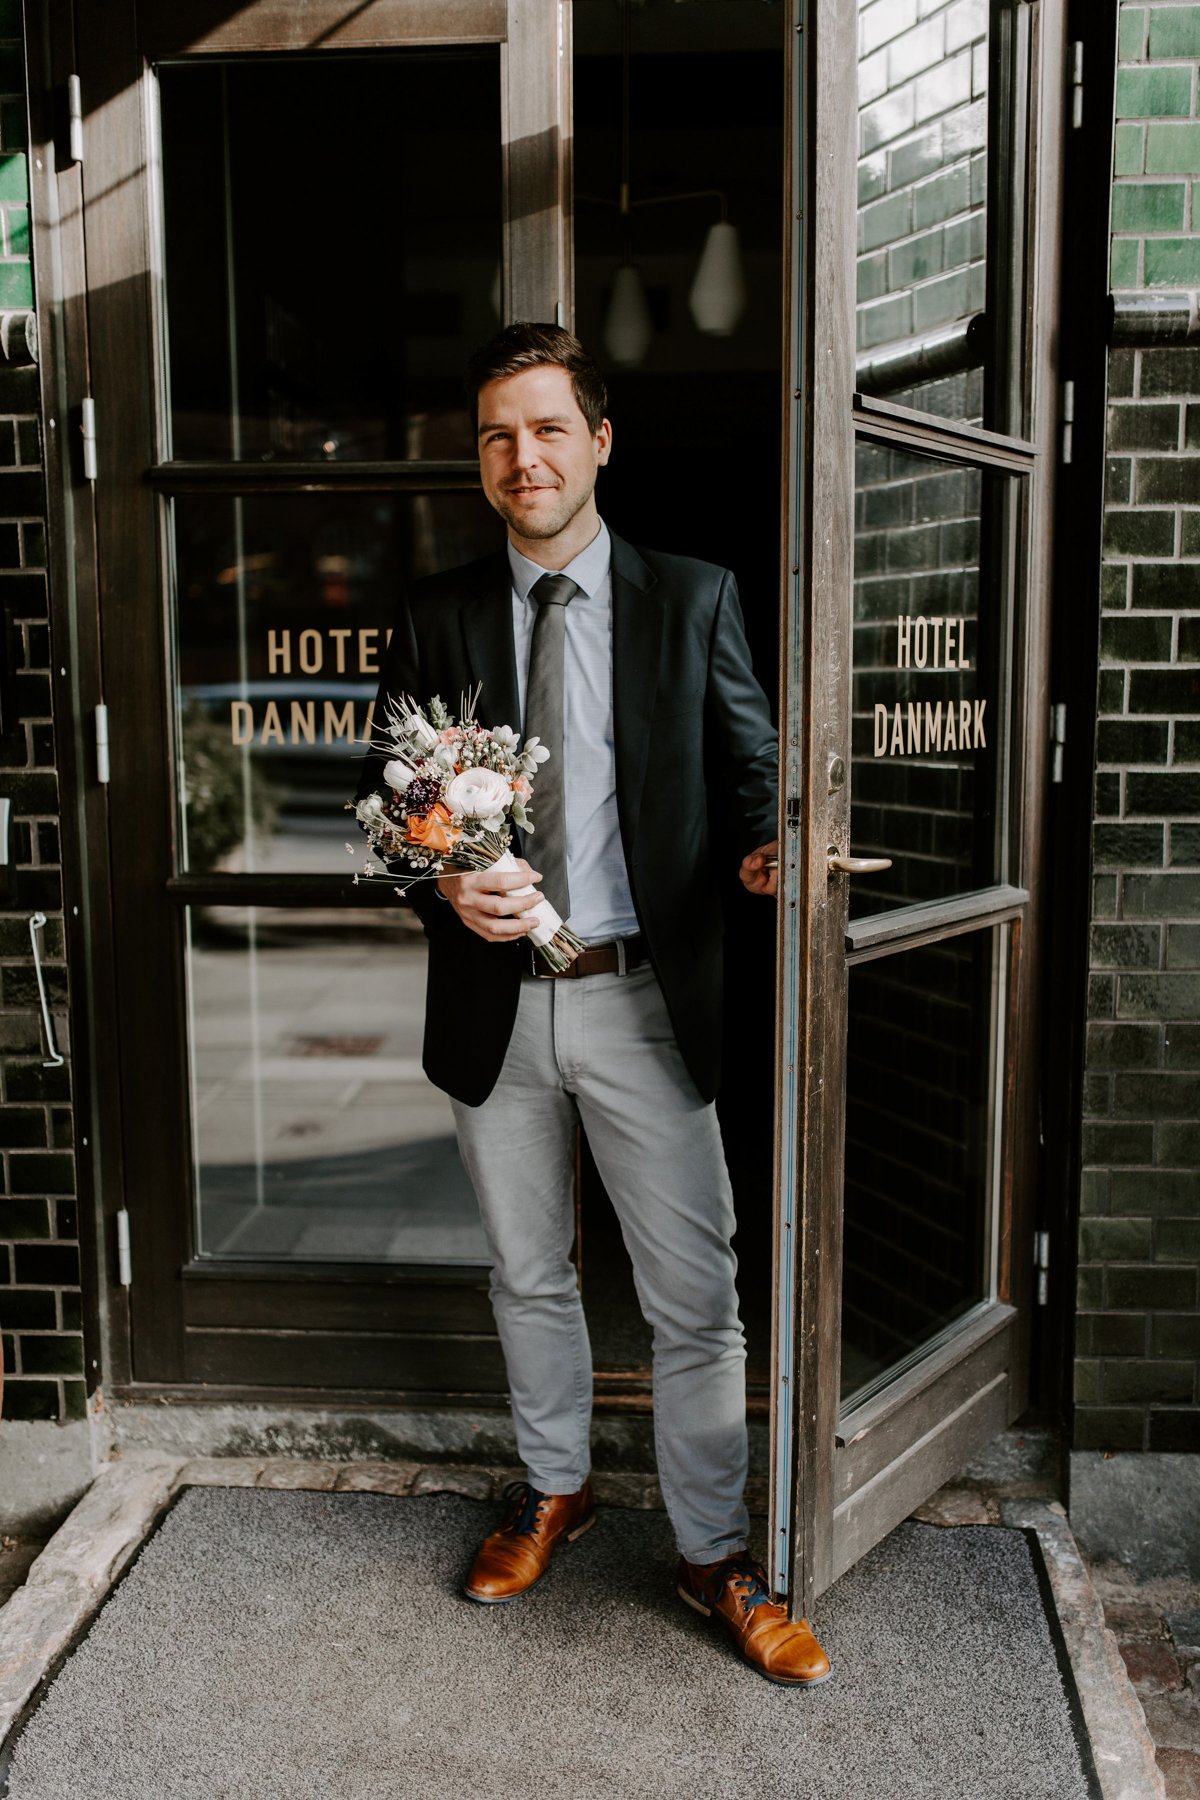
{"x": 401, "y": 1202}
{"x": 318, "y": 1134}
{"x": 314, "y": 1639}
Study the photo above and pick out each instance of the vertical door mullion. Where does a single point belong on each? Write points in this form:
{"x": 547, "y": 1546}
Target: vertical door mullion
{"x": 791, "y": 1053}
{"x": 816, "y": 660}
{"x": 535, "y": 76}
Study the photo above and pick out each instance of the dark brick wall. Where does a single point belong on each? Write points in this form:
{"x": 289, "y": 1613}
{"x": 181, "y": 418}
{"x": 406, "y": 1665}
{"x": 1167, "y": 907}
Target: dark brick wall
{"x": 39, "y": 1249}
{"x": 1138, "y": 1322}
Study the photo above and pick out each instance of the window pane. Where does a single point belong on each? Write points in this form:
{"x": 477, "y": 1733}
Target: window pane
{"x": 284, "y": 607}
{"x": 920, "y": 1083}
{"x": 316, "y": 1133}
{"x": 928, "y": 693}
{"x": 332, "y": 237}
{"x": 922, "y": 188}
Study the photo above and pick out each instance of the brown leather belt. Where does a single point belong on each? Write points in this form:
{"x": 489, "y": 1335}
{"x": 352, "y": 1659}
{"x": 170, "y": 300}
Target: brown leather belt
{"x": 619, "y": 958}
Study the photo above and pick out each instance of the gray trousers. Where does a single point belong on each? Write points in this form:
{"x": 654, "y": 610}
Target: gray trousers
{"x": 601, "y": 1051}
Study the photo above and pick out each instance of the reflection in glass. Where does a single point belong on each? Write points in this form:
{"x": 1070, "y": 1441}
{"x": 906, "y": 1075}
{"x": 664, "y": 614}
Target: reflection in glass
{"x": 922, "y": 190}
{"x": 284, "y": 608}
{"x": 919, "y": 1083}
{"x": 316, "y": 1133}
{"x": 706, "y": 114}
{"x": 332, "y": 240}
{"x": 926, "y": 699}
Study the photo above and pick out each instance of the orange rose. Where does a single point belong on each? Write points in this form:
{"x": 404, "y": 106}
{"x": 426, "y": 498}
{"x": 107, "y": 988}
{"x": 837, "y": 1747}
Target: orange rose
{"x": 434, "y": 831}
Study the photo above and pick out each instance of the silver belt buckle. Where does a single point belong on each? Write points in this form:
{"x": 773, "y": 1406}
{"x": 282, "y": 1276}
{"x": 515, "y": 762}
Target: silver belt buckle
{"x": 538, "y": 969}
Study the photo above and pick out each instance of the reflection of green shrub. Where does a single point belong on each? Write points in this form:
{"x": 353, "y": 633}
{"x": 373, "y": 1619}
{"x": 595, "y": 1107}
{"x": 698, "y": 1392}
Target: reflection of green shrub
{"x": 213, "y": 790}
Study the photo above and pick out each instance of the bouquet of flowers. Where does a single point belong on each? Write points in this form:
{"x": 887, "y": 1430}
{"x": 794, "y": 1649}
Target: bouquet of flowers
{"x": 454, "y": 787}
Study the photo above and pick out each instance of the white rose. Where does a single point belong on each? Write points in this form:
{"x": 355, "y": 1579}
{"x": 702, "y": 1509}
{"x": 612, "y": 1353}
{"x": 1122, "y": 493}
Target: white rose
{"x": 398, "y": 774}
{"x": 478, "y": 793}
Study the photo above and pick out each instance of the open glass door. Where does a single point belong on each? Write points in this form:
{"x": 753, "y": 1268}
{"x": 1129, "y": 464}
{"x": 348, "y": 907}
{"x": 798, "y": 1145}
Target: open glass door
{"x": 913, "y": 656}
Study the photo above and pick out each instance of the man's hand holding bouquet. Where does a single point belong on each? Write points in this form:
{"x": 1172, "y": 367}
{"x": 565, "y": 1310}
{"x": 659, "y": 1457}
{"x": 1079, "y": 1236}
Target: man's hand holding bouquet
{"x": 456, "y": 790}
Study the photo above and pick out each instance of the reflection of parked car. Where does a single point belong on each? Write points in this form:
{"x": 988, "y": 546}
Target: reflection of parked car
{"x": 303, "y": 736}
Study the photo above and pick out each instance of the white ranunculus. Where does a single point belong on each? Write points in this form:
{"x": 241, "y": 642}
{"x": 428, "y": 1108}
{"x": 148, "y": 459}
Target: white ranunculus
{"x": 398, "y": 774}
{"x": 478, "y": 794}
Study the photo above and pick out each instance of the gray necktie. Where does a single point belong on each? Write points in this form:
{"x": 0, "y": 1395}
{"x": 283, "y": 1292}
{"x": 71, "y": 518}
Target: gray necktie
{"x": 544, "y": 720}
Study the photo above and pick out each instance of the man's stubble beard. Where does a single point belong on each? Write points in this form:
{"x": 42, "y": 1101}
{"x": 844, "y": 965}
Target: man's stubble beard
{"x": 569, "y": 505}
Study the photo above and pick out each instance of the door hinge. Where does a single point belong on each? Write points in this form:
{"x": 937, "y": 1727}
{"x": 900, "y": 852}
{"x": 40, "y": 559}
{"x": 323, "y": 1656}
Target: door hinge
{"x": 1076, "y": 85}
{"x": 1041, "y": 1262}
{"x": 124, "y": 1265}
{"x": 87, "y": 425}
{"x": 74, "y": 119}
{"x": 102, "y": 770}
{"x": 1068, "y": 421}
{"x": 1058, "y": 737}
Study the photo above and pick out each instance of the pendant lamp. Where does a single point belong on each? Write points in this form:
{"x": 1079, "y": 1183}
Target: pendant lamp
{"x": 628, "y": 327}
{"x": 718, "y": 295}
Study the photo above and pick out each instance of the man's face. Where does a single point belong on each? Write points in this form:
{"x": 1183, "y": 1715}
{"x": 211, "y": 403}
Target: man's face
{"x": 537, "y": 456}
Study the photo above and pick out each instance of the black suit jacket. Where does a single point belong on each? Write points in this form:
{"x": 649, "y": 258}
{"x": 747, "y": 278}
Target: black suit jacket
{"x": 695, "y": 748}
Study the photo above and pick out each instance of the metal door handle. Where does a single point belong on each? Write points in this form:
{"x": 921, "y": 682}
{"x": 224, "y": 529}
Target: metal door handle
{"x": 54, "y": 1060}
{"x": 858, "y": 865}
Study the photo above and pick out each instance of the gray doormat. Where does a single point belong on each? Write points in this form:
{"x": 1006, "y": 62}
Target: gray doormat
{"x": 314, "y": 1646}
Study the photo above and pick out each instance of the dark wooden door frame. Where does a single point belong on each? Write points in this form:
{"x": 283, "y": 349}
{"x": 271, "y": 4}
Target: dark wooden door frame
{"x": 182, "y": 1324}
{"x": 1079, "y": 532}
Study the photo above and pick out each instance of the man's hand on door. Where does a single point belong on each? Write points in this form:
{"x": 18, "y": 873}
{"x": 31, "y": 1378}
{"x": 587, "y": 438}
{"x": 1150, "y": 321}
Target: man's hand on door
{"x": 757, "y": 877}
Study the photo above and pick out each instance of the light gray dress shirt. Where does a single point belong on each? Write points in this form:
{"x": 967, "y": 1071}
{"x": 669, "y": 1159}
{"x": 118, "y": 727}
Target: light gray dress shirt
{"x": 601, "y": 903}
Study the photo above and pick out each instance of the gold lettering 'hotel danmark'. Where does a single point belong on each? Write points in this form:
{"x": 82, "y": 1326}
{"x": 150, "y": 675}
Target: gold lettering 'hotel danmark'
{"x": 955, "y": 723}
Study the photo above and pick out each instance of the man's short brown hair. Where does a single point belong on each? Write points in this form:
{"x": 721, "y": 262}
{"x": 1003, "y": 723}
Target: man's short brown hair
{"x": 527, "y": 346}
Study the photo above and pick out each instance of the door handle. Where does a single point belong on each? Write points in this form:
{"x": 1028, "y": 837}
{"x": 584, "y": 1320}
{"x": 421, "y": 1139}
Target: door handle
{"x": 858, "y": 865}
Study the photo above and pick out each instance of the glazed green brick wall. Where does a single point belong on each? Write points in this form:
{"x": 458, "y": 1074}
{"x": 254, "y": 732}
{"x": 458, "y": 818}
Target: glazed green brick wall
{"x": 1137, "y": 1369}
{"x": 40, "y": 1321}
{"x": 1156, "y": 190}
{"x": 1138, "y": 1320}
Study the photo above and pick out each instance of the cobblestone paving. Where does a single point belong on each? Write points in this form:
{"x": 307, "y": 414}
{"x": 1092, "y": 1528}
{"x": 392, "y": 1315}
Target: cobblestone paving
{"x": 1157, "y": 1626}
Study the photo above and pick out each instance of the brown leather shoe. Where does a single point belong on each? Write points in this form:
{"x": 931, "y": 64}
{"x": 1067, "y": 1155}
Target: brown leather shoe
{"x": 736, "y": 1590}
{"x": 513, "y": 1558}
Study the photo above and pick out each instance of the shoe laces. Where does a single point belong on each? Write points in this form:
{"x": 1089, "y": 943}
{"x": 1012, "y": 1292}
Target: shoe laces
{"x": 740, "y": 1568}
{"x": 526, "y": 1501}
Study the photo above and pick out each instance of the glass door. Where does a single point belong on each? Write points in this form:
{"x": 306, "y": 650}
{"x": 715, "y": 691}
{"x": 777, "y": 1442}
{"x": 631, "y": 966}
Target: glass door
{"x": 915, "y": 651}
{"x": 294, "y": 242}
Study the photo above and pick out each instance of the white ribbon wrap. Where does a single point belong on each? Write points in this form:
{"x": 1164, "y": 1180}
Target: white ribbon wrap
{"x": 548, "y": 920}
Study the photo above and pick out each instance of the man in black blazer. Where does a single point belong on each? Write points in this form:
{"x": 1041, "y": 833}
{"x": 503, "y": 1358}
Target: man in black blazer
{"x": 632, "y": 667}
